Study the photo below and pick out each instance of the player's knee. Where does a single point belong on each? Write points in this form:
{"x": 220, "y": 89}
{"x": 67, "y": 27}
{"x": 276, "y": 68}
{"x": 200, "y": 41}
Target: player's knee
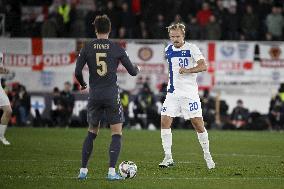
{"x": 7, "y": 111}
{"x": 198, "y": 124}
{"x": 116, "y": 129}
{"x": 93, "y": 129}
{"x": 165, "y": 122}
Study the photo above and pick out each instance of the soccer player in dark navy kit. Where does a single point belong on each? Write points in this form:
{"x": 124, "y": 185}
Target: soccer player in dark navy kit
{"x": 102, "y": 57}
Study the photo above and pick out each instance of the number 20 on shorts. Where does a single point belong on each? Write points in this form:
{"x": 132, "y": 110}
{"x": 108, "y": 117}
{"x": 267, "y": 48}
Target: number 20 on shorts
{"x": 193, "y": 106}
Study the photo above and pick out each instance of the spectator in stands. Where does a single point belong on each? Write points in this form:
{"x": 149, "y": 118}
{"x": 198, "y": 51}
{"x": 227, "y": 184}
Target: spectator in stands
{"x": 124, "y": 97}
{"x": 203, "y": 17}
{"x": 213, "y": 29}
{"x": 64, "y": 10}
{"x": 89, "y": 19}
{"x": 146, "y": 110}
{"x": 229, "y": 3}
{"x": 239, "y": 116}
{"x": 159, "y": 28}
{"x": 281, "y": 92}
{"x": 21, "y": 103}
{"x": 122, "y": 33}
{"x": 141, "y": 31}
{"x": 232, "y": 23}
{"x": 276, "y": 110}
{"x": 193, "y": 29}
{"x": 220, "y": 12}
{"x": 13, "y": 18}
{"x": 263, "y": 8}
{"x": 77, "y": 24}
{"x": 250, "y": 24}
{"x": 56, "y": 107}
{"x": 51, "y": 27}
{"x": 68, "y": 101}
{"x": 126, "y": 19}
{"x": 208, "y": 109}
{"x": 25, "y": 105}
{"x": 114, "y": 17}
{"x": 275, "y": 23}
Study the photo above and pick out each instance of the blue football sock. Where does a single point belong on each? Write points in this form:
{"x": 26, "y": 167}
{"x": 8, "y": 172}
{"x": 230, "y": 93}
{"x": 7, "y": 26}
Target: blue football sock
{"x": 114, "y": 150}
{"x": 87, "y": 148}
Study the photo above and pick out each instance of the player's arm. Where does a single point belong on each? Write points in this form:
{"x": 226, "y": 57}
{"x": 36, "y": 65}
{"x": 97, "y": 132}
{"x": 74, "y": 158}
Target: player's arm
{"x": 201, "y": 66}
{"x": 132, "y": 69}
{"x": 81, "y": 61}
{"x": 3, "y": 70}
{"x": 199, "y": 59}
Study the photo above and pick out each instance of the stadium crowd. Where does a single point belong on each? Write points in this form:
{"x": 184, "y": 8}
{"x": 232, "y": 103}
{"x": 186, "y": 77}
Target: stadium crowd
{"x": 142, "y": 110}
{"x": 141, "y": 19}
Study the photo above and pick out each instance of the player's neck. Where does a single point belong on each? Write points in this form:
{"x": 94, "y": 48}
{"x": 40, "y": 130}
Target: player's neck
{"x": 102, "y": 36}
{"x": 181, "y": 45}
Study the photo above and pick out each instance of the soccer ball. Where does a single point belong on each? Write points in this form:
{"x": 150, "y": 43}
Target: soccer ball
{"x": 128, "y": 169}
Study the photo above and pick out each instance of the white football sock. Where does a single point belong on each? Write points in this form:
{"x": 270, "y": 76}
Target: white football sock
{"x": 204, "y": 142}
{"x": 111, "y": 171}
{"x": 166, "y": 135}
{"x": 84, "y": 170}
{"x": 2, "y": 130}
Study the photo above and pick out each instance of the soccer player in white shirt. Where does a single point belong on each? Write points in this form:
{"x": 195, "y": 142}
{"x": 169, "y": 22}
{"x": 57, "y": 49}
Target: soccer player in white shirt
{"x": 185, "y": 61}
{"x": 4, "y": 105}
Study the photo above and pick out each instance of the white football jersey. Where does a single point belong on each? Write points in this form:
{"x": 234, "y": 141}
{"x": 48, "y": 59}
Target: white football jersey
{"x": 183, "y": 85}
{"x": 1, "y": 60}
{"x": 1, "y": 64}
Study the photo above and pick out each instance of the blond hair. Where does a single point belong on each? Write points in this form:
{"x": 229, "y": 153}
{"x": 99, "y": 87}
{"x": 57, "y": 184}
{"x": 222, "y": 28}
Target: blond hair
{"x": 176, "y": 26}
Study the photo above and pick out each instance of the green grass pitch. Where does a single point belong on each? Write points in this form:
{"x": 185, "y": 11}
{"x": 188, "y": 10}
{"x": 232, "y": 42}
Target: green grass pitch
{"x": 50, "y": 158}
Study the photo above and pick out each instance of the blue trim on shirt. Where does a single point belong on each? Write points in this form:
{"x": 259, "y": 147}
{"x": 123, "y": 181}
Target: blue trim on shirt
{"x": 170, "y": 53}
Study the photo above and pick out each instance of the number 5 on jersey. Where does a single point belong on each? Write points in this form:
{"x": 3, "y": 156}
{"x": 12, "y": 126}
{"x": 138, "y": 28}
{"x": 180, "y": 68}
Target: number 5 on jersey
{"x": 102, "y": 65}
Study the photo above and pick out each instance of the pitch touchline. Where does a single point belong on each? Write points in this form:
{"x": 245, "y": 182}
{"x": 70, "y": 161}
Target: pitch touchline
{"x": 198, "y": 154}
{"x": 148, "y": 178}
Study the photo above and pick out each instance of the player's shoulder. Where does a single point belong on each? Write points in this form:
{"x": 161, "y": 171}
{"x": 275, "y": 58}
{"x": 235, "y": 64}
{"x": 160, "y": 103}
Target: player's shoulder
{"x": 87, "y": 44}
{"x": 190, "y": 46}
{"x": 116, "y": 45}
{"x": 1, "y": 58}
{"x": 169, "y": 47}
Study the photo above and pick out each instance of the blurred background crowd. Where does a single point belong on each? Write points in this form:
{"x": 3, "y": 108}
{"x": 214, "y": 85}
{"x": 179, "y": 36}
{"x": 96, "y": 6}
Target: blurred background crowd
{"x": 142, "y": 110}
{"x": 142, "y": 19}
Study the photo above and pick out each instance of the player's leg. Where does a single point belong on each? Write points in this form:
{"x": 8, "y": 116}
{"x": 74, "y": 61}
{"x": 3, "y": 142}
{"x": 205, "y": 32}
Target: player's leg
{"x": 191, "y": 109}
{"x": 114, "y": 150}
{"x": 166, "y": 136}
{"x": 93, "y": 116}
{"x": 116, "y": 118}
{"x": 202, "y": 135}
{"x": 87, "y": 150}
{"x": 7, "y": 112}
{"x": 169, "y": 110}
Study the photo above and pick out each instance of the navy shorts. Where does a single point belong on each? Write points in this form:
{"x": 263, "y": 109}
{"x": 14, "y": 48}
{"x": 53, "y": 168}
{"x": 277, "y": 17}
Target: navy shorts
{"x": 111, "y": 108}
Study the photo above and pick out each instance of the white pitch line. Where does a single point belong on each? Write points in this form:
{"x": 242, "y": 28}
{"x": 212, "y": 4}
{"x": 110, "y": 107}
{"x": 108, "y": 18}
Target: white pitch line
{"x": 222, "y": 178}
{"x": 248, "y": 155}
{"x": 196, "y": 154}
{"x": 146, "y": 178}
{"x": 38, "y": 160}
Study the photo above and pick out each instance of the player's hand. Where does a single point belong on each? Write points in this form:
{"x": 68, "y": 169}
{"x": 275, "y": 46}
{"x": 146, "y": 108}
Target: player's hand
{"x": 84, "y": 87}
{"x": 138, "y": 68}
{"x": 5, "y": 71}
{"x": 183, "y": 70}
